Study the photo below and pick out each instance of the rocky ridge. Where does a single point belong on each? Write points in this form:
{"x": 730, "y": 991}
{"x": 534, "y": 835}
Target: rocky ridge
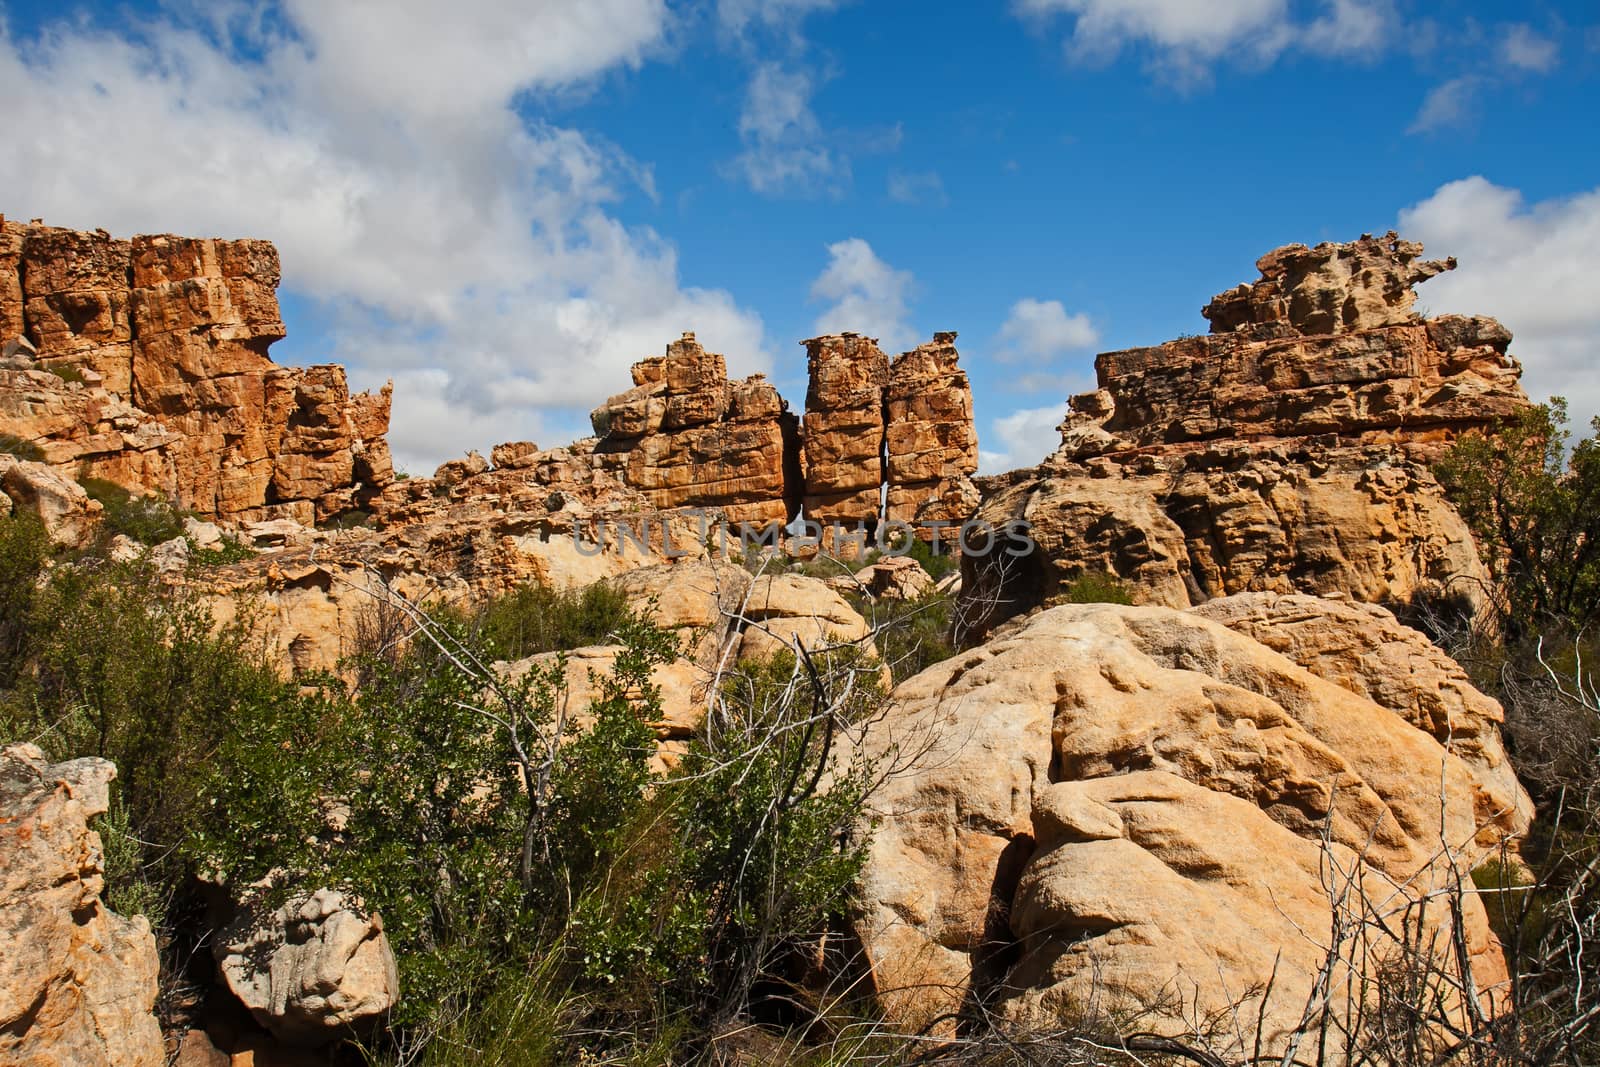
{"x": 1288, "y": 450}
{"x": 156, "y": 376}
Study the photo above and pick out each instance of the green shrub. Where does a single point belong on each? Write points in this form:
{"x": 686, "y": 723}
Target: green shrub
{"x": 24, "y": 550}
{"x": 21, "y": 447}
{"x": 232, "y": 550}
{"x": 67, "y": 372}
{"x": 1533, "y": 506}
{"x": 147, "y": 519}
{"x": 537, "y": 618}
{"x": 1097, "y": 587}
{"x": 912, "y": 636}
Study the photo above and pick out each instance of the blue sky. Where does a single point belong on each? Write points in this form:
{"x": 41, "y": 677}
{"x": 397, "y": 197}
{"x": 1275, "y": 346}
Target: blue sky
{"x": 500, "y": 205}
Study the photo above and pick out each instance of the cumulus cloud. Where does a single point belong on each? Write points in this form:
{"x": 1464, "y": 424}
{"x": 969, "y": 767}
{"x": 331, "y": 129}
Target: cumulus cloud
{"x": 1041, "y": 330}
{"x": 1028, "y": 436}
{"x": 464, "y": 246}
{"x": 1532, "y": 266}
{"x": 785, "y": 149}
{"x": 917, "y": 187}
{"x": 1525, "y": 49}
{"x": 866, "y": 295}
{"x": 1446, "y": 105}
{"x": 1186, "y": 39}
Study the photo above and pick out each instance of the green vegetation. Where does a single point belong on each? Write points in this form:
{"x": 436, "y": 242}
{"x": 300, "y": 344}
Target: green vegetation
{"x": 1097, "y": 587}
{"x": 67, "y": 372}
{"x": 1533, "y": 505}
{"x": 550, "y": 898}
{"x": 536, "y": 618}
{"x": 22, "y": 448}
{"x": 149, "y": 520}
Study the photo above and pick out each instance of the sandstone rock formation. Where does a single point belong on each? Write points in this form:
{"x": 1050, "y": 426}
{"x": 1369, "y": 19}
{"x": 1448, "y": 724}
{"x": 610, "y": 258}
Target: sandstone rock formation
{"x": 685, "y": 436}
{"x": 846, "y": 447}
{"x": 1365, "y": 649}
{"x": 68, "y": 515}
{"x": 931, "y": 437}
{"x": 168, "y": 387}
{"x": 1126, "y": 808}
{"x": 317, "y": 969}
{"x": 1288, "y": 450}
{"x": 873, "y": 427}
{"x": 77, "y": 981}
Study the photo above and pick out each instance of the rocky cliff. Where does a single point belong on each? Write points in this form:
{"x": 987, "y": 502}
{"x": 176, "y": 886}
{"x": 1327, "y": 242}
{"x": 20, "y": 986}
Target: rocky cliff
{"x": 1287, "y": 450}
{"x": 145, "y": 362}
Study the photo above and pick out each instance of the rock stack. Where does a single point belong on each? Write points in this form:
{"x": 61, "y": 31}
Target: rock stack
{"x": 1289, "y": 450}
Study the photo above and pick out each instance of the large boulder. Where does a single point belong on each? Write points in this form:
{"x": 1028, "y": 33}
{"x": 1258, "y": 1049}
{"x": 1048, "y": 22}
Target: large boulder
{"x": 77, "y": 981}
{"x": 59, "y": 503}
{"x": 314, "y": 970}
{"x": 1138, "y": 808}
{"x": 1365, "y": 649}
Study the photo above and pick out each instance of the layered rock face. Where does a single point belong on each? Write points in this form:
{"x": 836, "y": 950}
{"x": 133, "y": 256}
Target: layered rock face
{"x": 873, "y": 426}
{"x": 846, "y": 446}
{"x": 1138, "y": 810}
{"x": 685, "y": 436}
{"x": 77, "y": 981}
{"x": 169, "y": 337}
{"x": 1288, "y": 450}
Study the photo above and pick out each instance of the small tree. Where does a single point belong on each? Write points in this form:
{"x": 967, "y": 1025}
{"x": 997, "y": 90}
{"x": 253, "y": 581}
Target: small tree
{"x": 1534, "y": 507}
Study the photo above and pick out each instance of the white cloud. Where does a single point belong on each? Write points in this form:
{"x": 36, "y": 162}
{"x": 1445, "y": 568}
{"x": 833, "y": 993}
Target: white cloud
{"x": 1029, "y": 435}
{"x": 786, "y": 150}
{"x": 868, "y": 296}
{"x": 1187, "y": 38}
{"x": 1351, "y": 26}
{"x": 739, "y": 17}
{"x": 1042, "y": 330}
{"x": 917, "y": 187}
{"x": 462, "y": 245}
{"x": 1525, "y": 49}
{"x": 1531, "y": 266}
{"x": 1446, "y": 105}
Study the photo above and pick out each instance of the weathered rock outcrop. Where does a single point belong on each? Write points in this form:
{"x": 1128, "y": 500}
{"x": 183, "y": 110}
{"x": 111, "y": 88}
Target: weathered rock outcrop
{"x": 77, "y": 981}
{"x": 845, "y": 443}
{"x": 1288, "y": 450}
{"x": 931, "y": 437}
{"x": 871, "y": 424}
{"x": 315, "y": 970}
{"x": 686, "y": 437}
{"x": 1125, "y": 808}
{"x": 165, "y": 341}
{"x": 62, "y": 507}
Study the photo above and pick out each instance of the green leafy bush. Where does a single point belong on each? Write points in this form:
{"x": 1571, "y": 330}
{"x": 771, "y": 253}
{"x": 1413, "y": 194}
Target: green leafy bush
{"x": 1533, "y": 506}
{"x": 537, "y": 618}
{"x": 147, "y": 519}
{"x": 1097, "y": 587}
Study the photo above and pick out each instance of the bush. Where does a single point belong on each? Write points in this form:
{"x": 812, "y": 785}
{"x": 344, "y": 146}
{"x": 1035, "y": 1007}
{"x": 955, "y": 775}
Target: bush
{"x": 913, "y": 636}
{"x": 537, "y": 618}
{"x": 107, "y": 660}
{"x": 1097, "y": 587}
{"x": 147, "y": 519}
{"x": 1533, "y": 506}
{"x": 24, "y": 550}
{"x": 21, "y": 447}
